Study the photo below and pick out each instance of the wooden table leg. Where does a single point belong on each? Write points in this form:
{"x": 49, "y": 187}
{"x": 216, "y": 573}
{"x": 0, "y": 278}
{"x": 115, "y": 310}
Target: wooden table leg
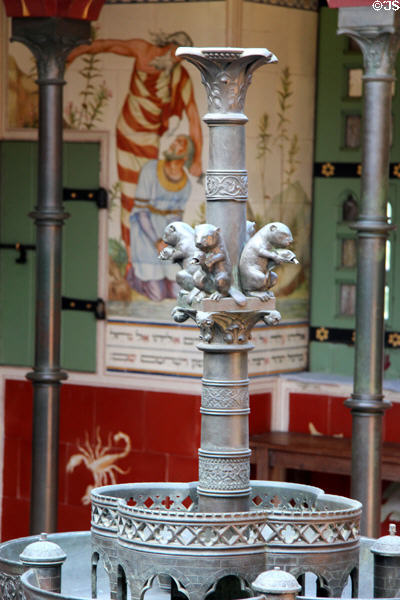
{"x": 278, "y": 473}
{"x": 261, "y": 456}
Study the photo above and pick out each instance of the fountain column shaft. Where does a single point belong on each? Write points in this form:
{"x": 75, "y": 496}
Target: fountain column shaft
{"x": 227, "y": 165}
{"x": 224, "y": 468}
{"x": 224, "y": 474}
{"x": 226, "y": 318}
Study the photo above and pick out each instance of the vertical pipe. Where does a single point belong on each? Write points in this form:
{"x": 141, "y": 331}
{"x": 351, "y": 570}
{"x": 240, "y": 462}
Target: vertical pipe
{"x": 379, "y": 46}
{"x": 366, "y": 403}
{"x": 47, "y": 375}
{"x": 50, "y": 39}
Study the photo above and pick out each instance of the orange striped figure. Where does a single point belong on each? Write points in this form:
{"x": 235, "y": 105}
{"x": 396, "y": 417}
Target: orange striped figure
{"x": 159, "y": 89}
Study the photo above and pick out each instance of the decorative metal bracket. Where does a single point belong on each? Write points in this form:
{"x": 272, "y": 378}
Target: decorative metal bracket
{"x": 21, "y": 250}
{"x": 233, "y": 327}
{"x": 98, "y": 195}
{"x": 98, "y": 307}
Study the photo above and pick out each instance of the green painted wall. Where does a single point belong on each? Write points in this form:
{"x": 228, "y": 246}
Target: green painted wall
{"x": 336, "y": 57}
{"x": 18, "y": 184}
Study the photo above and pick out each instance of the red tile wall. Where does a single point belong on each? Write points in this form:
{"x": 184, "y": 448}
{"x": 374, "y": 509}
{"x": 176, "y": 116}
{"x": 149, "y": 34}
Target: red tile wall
{"x": 330, "y": 416}
{"x": 164, "y": 429}
{"x": 327, "y": 413}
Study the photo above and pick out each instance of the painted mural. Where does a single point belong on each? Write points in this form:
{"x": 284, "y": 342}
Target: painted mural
{"x": 129, "y": 83}
{"x": 290, "y": 203}
{"x": 153, "y": 190}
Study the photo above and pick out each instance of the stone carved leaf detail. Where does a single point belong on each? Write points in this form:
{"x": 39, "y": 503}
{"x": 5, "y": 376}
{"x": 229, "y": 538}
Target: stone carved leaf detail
{"x": 226, "y": 92}
{"x": 226, "y": 74}
{"x": 379, "y": 48}
{"x": 375, "y": 52}
{"x": 234, "y": 327}
{"x": 218, "y": 397}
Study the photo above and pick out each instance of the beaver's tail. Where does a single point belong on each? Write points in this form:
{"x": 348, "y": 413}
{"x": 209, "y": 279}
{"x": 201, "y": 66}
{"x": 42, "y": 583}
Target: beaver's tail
{"x": 237, "y": 295}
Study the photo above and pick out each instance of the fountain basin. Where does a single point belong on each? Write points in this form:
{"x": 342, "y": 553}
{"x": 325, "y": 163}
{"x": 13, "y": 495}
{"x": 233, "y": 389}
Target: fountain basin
{"x": 152, "y": 529}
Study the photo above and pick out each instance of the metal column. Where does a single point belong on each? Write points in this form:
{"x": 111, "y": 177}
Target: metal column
{"x": 50, "y": 39}
{"x": 224, "y": 456}
{"x": 376, "y": 34}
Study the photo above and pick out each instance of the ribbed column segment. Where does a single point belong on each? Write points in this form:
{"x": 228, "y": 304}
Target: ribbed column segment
{"x": 224, "y": 456}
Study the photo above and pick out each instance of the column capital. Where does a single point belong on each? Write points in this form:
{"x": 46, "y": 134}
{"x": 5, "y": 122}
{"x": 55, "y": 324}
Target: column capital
{"x": 227, "y": 330}
{"x": 50, "y": 39}
{"x": 378, "y": 36}
{"x": 226, "y": 74}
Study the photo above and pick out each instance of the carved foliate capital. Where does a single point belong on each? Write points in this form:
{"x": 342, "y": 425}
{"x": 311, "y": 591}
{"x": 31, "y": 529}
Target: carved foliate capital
{"x": 378, "y": 37}
{"x": 226, "y": 74}
{"x": 233, "y": 327}
{"x": 50, "y": 39}
{"x": 379, "y": 52}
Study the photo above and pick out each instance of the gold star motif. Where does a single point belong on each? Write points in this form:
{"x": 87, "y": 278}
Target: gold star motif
{"x": 359, "y": 170}
{"x": 327, "y": 169}
{"x": 396, "y": 170}
{"x": 394, "y": 340}
{"x": 322, "y": 334}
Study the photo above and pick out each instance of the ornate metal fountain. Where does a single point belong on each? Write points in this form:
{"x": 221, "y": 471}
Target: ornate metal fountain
{"x": 199, "y": 533}
{"x": 195, "y": 536}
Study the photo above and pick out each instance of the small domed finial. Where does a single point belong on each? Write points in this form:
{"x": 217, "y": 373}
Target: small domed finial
{"x": 47, "y": 558}
{"x": 276, "y": 582}
{"x": 386, "y": 551}
{"x": 388, "y": 545}
{"x": 43, "y": 552}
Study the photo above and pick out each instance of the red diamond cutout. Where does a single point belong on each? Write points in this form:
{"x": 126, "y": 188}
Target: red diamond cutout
{"x": 187, "y": 502}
